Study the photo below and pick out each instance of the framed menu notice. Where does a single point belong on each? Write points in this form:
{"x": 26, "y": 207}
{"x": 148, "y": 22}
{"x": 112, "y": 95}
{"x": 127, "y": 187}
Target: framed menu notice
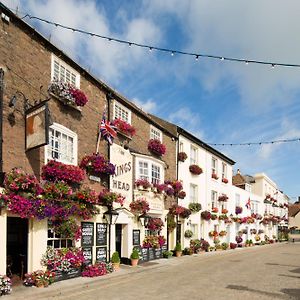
{"x": 87, "y": 234}
{"x": 136, "y": 237}
{"x": 101, "y": 254}
{"x": 101, "y": 234}
{"x": 88, "y": 255}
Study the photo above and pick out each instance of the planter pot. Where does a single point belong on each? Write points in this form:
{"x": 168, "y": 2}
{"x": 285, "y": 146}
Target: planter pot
{"x": 134, "y": 262}
{"x": 116, "y": 266}
{"x": 178, "y": 253}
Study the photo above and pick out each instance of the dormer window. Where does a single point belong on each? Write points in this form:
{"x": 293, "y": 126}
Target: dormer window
{"x": 63, "y": 72}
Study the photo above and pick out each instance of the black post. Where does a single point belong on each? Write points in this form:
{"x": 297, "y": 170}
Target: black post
{"x": 109, "y": 239}
{"x": 1, "y": 124}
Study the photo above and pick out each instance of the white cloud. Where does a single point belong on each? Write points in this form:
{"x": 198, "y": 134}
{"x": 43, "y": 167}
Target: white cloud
{"x": 148, "y": 106}
{"x": 188, "y": 120}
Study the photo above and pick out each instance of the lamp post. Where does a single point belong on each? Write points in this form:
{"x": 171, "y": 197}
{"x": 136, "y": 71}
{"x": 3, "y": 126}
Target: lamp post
{"x": 111, "y": 217}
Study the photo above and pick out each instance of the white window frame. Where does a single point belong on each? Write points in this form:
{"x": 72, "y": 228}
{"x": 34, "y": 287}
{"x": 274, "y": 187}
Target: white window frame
{"x": 181, "y": 147}
{"x": 63, "y": 65}
{"x": 237, "y": 200}
{"x": 63, "y": 130}
{"x": 224, "y": 170}
{"x": 127, "y": 111}
{"x": 214, "y": 168}
{"x": 61, "y": 241}
{"x": 194, "y": 229}
{"x": 155, "y": 133}
{"x": 214, "y": 199}
{"x": 193, "y": 160}
{"x": 193, "y": 195}
{"x": 150, "y": 163}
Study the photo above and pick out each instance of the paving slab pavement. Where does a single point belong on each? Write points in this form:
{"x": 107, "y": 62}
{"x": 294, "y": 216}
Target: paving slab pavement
{"x": 92, "y": 288}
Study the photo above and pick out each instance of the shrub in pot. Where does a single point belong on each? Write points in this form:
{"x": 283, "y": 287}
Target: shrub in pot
{"x": 178, "y": 249}
{"x": 115, "y": 260}
{"x": 134, "y": 257}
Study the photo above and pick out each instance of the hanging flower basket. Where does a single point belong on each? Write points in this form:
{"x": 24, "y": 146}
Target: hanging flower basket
{"x": 206, "y": 215}
{"x": 155, "y": 224}
{"x": 124, "y": 127}
{"x": 177, "y": 210}
{"x": 139, "y": 206}
{"x": 222, "y": 233}
{"x": 156, "y": 147}
{"x": 188, "y": 233}
{"x": 194, "y": 207}
{"x": 224, "y": 180}
{"x": 215, "y": 210}
{"x": 223, "y": 198}
{"x": 238, "y": 210}
{"x": 195, "y": 169}
{"x": 224, "y": 211}
{"x": 181, "y": 194}
{"x": 107, "y": 198}
{"x": 97, "y": 165}
{"x": 67, "y": 93}
{"x": 182, "y": 156}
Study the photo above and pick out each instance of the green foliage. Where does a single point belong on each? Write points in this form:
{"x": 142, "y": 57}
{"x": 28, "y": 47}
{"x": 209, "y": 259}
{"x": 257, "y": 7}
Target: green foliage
{"x": 188, "y": 233}
{"x": 178, "y": 247}
{"x": 167, "y": 254}
{"x": 115, "y": 258}
{"x": 195, "y": 207}
{"x": 135, "y": 254}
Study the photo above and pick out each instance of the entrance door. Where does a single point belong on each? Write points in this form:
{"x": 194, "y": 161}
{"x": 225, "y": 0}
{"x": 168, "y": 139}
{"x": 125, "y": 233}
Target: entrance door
{"x": 119, "y": 239}
{"x": 17, "y": 243}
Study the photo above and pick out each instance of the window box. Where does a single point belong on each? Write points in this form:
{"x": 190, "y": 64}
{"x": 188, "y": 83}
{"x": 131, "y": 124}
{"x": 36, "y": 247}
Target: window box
{"x": 214, "y": 176}
{"x": 223, "y": 198}
{"x": 67, "y": 93}
{"x": 224, "y": 180}
{"x": 124, "y": 128}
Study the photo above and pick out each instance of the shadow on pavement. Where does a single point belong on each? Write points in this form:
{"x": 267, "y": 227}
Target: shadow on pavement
{"x": 245, "y": 288}
{"x": 291, "y": 276}
{"x": 295, "y": 293}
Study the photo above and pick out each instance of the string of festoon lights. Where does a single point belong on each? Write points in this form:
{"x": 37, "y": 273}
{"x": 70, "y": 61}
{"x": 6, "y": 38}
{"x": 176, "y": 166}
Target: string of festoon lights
{"x": 172, "y": 52}
{"x": 92, "y": 109}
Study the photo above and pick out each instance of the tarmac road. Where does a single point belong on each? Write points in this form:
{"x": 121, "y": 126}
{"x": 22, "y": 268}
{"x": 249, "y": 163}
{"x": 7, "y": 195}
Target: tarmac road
{"x": 260, "y": 272}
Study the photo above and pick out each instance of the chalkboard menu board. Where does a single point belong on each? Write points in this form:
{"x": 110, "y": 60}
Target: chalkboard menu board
{"x": 164, "y": 248}
{"x": 151, "y": 253}
{"x": 145, "y": 255}
{"x": 101, "y": 254}
{"x": 136, "y": 237}
{"x": 101, "y": 234}
{"x": 157, "y": 253}
{"x": 87, "y": 235}
{"x": 88, "y": 255}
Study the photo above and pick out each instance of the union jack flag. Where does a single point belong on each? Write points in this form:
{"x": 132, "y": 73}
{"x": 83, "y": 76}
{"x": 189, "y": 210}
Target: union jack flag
{"x": 107, "y": 129}
{"x": 248, "y": 204}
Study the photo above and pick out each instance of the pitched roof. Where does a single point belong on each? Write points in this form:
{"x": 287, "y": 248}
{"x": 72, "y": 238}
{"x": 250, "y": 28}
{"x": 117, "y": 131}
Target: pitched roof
{"x": 294, "y": 209}
{"x": 99, "y": 82}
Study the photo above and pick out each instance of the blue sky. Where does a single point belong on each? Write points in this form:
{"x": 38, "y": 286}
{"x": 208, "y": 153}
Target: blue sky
{"x": 218, "y": 101}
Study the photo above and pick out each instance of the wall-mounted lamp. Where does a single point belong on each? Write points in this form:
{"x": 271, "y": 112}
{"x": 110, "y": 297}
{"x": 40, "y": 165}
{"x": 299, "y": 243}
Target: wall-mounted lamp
{"x": 13, "y": 101}
{"x": 144, "y": 219}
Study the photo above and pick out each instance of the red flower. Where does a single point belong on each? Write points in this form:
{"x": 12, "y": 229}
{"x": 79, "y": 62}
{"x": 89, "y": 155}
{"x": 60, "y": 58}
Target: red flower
{"x": 156, "y": 147}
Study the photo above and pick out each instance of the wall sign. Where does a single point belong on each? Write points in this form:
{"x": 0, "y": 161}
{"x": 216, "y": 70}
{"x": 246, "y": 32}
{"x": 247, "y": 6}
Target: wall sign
{"x": 87, "y": 234}
{"x": 101, "y": 234}
{"x": 101, "y": 254}
{"x": 37, "y": 126}
{"x": 136, "y": 237}
{"x": 121, "y": 182}
{"x": 88, "y": 255}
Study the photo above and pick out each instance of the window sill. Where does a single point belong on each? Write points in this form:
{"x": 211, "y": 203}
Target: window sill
{"x": 65, "y": 102}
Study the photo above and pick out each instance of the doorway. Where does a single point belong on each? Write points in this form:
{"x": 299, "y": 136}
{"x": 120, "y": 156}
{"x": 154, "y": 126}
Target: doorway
{"x": 119, "y": 239}
{"x": 16, "y": 247}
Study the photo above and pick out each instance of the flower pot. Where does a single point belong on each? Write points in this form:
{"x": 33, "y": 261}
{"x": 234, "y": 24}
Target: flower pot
{"x": 116, "y": 266}
{"x": 134, "y": 262}
{"x": 178, "y": 253}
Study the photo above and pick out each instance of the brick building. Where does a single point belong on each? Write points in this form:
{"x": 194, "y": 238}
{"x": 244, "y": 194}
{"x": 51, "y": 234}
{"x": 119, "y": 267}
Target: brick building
{"x": 29, "y": 63}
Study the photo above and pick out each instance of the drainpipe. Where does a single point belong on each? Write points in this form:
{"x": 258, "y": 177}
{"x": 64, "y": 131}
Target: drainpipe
{"x": 1, "y": 124}
{"x": 177, "y": 173}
